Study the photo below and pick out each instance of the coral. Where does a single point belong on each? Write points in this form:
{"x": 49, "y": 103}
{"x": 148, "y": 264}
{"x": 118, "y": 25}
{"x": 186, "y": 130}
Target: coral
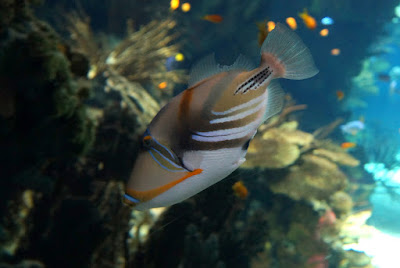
{"x": 274, "y": 152}
{"x": 341, "y": 203}
{"x": 315, "y": 178}
{"x": 364, "y": 82}
{"x": 354, "y": 226}
{"x": 47, "y": 120}
{"x": 338, "y": 156}
{"x": 134, "y": 97}
{"x": 357, "y": 259}
{"x": 140, "y": 57}
{"x": 277, "y": 147}
{"x": 14, "y": 225}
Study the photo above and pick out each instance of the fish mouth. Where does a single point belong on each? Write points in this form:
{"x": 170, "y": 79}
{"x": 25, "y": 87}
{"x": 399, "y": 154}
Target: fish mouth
{"x": 129, "y": 200}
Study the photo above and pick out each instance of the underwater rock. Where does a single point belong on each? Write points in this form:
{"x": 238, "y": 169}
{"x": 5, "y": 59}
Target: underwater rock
{"x": 274, "y": 152}
{"x": 313, "y": 178}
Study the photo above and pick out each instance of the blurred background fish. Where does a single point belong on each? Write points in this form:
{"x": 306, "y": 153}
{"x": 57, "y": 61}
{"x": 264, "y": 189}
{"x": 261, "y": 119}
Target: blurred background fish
{"x": 327, "y": 21}
{"x": 353, "y": 127}
{"x": 308, "y": 20}
{"x": 214, "y": 18}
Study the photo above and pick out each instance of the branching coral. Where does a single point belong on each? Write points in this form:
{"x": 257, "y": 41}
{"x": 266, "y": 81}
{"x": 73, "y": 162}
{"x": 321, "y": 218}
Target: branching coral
{"x": 140, "y": 57}
{"x": 134, "y": 97}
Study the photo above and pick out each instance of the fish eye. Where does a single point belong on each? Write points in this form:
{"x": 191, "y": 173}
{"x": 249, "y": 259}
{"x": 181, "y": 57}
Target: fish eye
{"x": 146, "y": 141}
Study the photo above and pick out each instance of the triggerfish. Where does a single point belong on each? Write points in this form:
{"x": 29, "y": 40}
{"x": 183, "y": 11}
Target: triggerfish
{"x": 202, "y": 135}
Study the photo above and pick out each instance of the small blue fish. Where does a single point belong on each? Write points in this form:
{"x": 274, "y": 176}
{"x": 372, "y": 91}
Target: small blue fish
{"x": 327, "y": 21}
{"x": 352, "y": 127}
{"x": 202, "y": 134}
{"x": 170, "y": 63}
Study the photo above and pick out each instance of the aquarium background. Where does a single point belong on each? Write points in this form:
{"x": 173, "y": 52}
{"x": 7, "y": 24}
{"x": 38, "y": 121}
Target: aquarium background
{"x": 80, "y": 81}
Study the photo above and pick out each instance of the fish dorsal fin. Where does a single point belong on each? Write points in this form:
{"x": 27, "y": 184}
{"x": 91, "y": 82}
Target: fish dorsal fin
{"x": 208, "y": 67}
{"x": 274, "y": 99}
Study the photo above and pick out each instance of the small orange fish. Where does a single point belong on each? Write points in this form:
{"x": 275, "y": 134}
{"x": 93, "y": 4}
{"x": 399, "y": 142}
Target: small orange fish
{"x": 308, "y": 20}
{"x": 162, "y": 85}
{"x": 174, "y": 4}
{"x": 186, "y": 7}
{"x": 324, "y": 32}
{"x": 240, "y": 190}
{"x": 335, "y": 52}
{"x": 348, "y": 145}
{"x": 262, "y": 32}
{"x": 214, "y": 18}
{"x": 339, "y": 95}
{"x": 292, "y": 23}
{"x": 270, "y": 26}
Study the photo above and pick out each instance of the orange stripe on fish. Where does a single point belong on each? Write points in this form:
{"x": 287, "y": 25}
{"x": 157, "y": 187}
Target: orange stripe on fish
{"x": 185, "y": 103}
{"x": 144, "y": 196}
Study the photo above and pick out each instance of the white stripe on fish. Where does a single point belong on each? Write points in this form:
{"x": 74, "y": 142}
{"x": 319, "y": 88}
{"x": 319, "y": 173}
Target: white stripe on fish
{"x": 247, "y": 130}
{"x": 241, "y": 106}
{"x": 239, "y": 115}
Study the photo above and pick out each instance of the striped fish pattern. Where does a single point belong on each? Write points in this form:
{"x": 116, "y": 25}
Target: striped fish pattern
{"x": 202, "y": 134}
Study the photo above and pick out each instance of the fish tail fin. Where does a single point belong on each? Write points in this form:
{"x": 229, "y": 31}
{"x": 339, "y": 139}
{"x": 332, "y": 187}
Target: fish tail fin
{"x": 287, "y": 55}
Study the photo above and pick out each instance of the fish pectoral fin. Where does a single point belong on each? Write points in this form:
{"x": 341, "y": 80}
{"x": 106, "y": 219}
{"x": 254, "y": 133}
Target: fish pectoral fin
{"x": 274, "y": 100}
{"x": 240, "y": 162}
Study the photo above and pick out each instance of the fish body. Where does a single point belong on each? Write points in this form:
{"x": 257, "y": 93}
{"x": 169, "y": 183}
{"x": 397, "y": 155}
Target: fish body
{"x": 202, "y": 134}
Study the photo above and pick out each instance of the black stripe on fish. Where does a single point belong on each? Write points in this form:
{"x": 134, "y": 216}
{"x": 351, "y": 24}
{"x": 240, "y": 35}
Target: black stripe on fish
{"x": 201, "y": 146}
{"x": 254, "y": 82}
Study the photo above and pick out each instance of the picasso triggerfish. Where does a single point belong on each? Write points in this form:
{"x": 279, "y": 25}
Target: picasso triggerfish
{"x": 201, "y": 136}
